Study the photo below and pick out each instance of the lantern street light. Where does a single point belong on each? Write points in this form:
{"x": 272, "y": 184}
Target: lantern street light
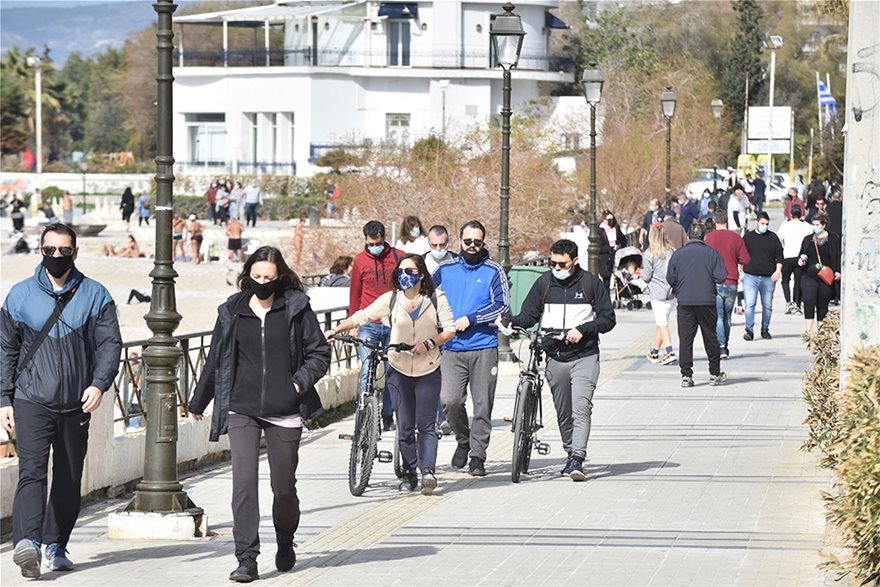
{"x": 717, "y": 106}
{"x": 667, "y": 103}
{"x": 506, "y": 33}
{"x": 593, "y": 81}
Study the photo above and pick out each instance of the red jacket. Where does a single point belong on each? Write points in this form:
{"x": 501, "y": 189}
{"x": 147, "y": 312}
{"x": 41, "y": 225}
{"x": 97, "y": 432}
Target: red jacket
{"x": 732, "y": 249}
{"x": 370, "y": 277}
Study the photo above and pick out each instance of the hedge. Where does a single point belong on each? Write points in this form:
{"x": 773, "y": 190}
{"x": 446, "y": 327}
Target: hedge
{"x": 821, "y": 386}
{"x": 278, "y": 208}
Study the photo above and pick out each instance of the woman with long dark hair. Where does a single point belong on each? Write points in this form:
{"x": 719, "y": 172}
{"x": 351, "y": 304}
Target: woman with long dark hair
{"x": 420, "y": 316}
{"x": 267, "y": 353}
{"x": 413, "y": 238}
{"x": 611, "y": 239}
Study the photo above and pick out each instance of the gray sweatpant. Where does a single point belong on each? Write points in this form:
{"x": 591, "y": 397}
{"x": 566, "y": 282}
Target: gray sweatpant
{"x": 572, "y": 385}
{"x": 480, "y": 370}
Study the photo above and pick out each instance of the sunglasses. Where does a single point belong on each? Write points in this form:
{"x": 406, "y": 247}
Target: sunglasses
{"x": 49, "y": 251}
{"x": 472, "y": 241}
{"x": 410, "y": 271}
{"x": 559, "y": 264}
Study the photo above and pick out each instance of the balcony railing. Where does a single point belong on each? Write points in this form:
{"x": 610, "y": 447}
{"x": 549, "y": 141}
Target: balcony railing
{"x": 345, "y": 57}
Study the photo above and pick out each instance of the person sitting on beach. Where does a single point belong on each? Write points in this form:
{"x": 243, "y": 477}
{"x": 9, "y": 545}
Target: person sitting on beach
{"x": 129, "y": 250}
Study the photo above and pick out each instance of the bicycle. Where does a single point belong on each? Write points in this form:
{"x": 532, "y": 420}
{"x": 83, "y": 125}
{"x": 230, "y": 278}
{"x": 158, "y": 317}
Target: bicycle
{"x": 365, "y": 439}
{"x": 528, "y": 413}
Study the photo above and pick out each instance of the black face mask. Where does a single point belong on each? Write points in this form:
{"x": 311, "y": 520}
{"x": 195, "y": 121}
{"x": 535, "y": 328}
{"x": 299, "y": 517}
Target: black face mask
{"x": 57, "y": 266}
{"x": 471, "y": 258}
{"x": 264, "y": 291}
{"x": 611, "y": 223}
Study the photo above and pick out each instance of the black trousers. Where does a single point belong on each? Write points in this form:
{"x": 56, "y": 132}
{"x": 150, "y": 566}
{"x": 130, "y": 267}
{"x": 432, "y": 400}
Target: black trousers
{"x": 37, "y": 429}
{"x": 282, "y": 448}
{"x": 689, "y": 318}
{"x": 790, "y": 268}
{"x": 816, "y": 297}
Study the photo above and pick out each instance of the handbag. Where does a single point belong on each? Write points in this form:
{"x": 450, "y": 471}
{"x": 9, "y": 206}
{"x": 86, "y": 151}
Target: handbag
{"x": 825, "y": 273}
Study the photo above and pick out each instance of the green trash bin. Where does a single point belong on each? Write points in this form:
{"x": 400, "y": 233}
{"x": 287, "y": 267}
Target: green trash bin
{"x": 522, "y": 278}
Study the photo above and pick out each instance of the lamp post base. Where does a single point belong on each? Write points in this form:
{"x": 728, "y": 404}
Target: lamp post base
{"x": 130, "y": 525}
{"x": 505, "y": 353}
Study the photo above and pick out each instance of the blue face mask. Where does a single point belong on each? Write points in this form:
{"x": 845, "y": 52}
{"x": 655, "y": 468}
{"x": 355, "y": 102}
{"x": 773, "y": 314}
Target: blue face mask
{"x": 415, "y": 232}
{"x": 561, "y": 273}
{"x": 375, "y": 250}
{"x": 439, "y": 254}
{"x": 406, "y": 280}
{"x": 762, "y": 228}
{"x": 817, "y": 229}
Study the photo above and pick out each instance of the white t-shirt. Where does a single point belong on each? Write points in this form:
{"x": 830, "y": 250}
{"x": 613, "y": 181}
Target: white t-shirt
{"x": 734, "y": 205}
{"x": 419, "y": 246}
{"x": 792, "y": 233}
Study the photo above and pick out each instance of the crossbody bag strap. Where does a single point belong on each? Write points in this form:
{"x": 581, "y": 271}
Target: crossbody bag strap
{"x": 818, "y": 256}
{"x": 41, "y": 336}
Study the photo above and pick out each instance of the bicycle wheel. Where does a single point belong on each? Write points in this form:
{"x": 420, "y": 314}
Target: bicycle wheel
{"x": 398, "y": 461}
{"x": 531, "y": 418}
{"x": 363, "y": 446}
{"x": 522, "y": 434}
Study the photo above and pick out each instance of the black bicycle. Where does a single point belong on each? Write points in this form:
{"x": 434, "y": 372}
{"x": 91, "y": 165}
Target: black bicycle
{"x": 365, "y": 439}
{"x": 527, "y": 411}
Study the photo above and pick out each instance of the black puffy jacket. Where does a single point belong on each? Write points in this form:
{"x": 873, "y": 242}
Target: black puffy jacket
{"x": 309, "y": 360}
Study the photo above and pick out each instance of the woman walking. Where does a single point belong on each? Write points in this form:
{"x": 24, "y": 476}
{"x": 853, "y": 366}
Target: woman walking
{"x": 267, "y": 353}
{"x": 662, "y": 298}
{"x": 819, "y": 251}
{"x": 611, "y": 239}
{"x": 413, "y": 238}
{"x": 420, "y": 316}
{"x": 127, "y": 207}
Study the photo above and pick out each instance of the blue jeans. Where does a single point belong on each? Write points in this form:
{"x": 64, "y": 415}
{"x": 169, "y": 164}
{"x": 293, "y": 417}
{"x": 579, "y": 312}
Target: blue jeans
{"x": 724, "y": 302}
{"x": 753, "y": 285}
{"x": 380, "y": 333}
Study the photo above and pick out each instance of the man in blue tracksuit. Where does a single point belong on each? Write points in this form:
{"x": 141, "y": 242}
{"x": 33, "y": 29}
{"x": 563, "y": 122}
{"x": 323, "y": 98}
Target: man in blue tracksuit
{"x": 477, "y": 290}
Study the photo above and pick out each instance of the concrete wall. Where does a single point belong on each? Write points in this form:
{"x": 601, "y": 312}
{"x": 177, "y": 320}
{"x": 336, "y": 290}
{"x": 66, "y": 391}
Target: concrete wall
{"x": 861, "y": 183}
{"x": 114, "y": 460}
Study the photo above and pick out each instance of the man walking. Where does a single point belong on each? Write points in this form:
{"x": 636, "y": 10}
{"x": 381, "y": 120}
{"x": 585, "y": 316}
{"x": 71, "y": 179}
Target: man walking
{"x": 760, "y": 192}
{"x": 574, "y": 304}
{"x": 253, "y": 198}
{"x": 761, "y": 273}
{"x": 693, "y": 272}
{"x": 60, "y": 352}
{"x": 477, "y": 290}
{"x": 736, "y": 212}
{"x": 371, "y": 274}
{"x": 792, "y": 234}
{"x": 732, "y": 249}
{"x": 675, "y": 233}
{"x": 438, "y": 240}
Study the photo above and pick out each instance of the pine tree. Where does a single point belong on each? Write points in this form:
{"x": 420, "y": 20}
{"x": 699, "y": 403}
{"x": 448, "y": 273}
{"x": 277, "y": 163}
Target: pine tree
{"x": 744, "y": 56}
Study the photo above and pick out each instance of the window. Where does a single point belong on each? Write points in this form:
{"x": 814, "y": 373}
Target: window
{"x": 206, "y": 138}
{"x": 398, "y": 43}
{"x": 397, "y": 128}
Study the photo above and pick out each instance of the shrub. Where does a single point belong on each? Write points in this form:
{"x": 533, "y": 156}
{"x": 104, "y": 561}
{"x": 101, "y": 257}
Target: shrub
{"x": 821, "y": 386}
{"x": 855, "y": 507}
{"x": 52, "y": 194}
{"x": 280, "y": 208}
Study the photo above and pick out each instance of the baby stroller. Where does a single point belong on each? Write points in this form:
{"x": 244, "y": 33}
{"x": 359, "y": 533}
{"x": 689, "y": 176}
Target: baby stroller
{"x": 627, "y": 282}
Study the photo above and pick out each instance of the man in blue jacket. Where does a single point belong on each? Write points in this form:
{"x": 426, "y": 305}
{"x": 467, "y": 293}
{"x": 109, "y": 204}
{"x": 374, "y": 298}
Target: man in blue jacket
{"x": 60, "y": 346}
{"x": 477, "y": 290}
{"x": 694, "y": 270}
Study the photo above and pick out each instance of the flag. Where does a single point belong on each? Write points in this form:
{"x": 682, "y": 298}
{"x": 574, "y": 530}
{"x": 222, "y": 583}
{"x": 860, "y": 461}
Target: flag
{"x": 826, "y": 99}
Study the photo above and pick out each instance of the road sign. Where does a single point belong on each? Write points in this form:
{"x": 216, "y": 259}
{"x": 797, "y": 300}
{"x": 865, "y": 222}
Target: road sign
{"x": 759, "y": 123}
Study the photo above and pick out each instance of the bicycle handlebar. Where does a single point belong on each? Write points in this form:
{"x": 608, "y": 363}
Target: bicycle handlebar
{"x": 348, "y": 339}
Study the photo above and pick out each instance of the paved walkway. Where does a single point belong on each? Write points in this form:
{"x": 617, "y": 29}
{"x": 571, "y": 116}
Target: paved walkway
{"x": 685, "y": 487}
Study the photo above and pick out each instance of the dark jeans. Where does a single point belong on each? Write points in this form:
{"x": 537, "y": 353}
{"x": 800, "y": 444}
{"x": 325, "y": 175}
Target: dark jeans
{"x": 37, "y": 429}
{"x": 212, "y": 212}
{"x": 689, "y": 318}
{"x": 282, "y": 449}
{"x": 250, "y": 214}
{"x": 791, "y": 269}
{"x": 417, "y": 401}
{"x": 816, "y": 297}
{"x": 725, "y": 300}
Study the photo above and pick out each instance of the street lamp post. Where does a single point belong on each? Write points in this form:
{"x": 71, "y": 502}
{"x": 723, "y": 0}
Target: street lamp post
{"x": 38, "y": 109}
{"x": 84, "y": 166}
{"x": 717, "y": 106}
{"x": 667, "y": 102}
{"x": 776, "y": 42}
{"x": 592, "y": 82}
{"x": 506, "y": 33}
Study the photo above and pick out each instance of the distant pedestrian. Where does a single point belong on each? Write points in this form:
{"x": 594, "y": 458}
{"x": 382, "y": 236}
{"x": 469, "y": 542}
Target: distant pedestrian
{"x": 792, "y": 234}
{"x": 760, "y": 275}
{"x": 818, "y": 250}
{"x": 694, "y": 271}
{"x": 253, "y": 198}
{"x": 732, "y": 249}
{"x": 611, "y": 240}
{"x": 737, "y": 207}
{"x": 234, "y": 230}
{"x": 144, "y": 205}
{"x": 759, "y": 193}
{"x": 60, "y": 344}
{"x": 340, "y": 273}
{"x": 654, "y": 265}
{"x": 652, "y": 216}
{"x": 16, "y": 205}
{"x": 690, "y": 211}
{"x": 196, "y": 237}
{"x": 675, "y": 233}
{"x": 67, "y": 209}
{"x": 211, "y": 200}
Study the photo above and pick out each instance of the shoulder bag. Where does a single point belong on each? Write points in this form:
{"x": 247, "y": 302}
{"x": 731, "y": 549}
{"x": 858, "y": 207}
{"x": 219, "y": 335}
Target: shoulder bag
{"x": 825, "y": 273}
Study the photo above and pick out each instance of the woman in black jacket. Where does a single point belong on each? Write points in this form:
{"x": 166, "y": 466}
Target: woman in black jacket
{"x": 818, "y": 249}
{"x": 611, "y": 239}
{"x": 267, "y": 353}
{"x": 126, "y": 205}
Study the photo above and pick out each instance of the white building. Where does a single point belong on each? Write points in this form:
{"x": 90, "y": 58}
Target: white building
{"x": 351, "y": 72}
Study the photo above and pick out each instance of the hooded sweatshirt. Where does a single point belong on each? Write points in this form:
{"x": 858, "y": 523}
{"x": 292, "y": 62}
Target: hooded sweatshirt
{"x": 371, "y": 276}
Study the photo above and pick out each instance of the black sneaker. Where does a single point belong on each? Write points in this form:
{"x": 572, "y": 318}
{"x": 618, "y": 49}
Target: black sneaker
{"x": 725, "y": 354}
{"x": 765, "y": 334}
{"x": 409, "y": 482}
{"x": 246, "y": 571}
{"x": 429, "y": 482}
{"x": 387, "y": 423}
{"x": 687, "y": 381}
{"x": 718, "y": 379}
{"x": 459, "y": 459}
{"x": 285, "y": 558}
{"x": 477, "y": 468}
{"x": 749, "y": 335}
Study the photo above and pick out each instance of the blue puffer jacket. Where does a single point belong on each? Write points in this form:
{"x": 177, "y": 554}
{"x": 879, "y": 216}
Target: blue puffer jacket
{"x": 479, "y": 292}
{"x": 82, "y": 349}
